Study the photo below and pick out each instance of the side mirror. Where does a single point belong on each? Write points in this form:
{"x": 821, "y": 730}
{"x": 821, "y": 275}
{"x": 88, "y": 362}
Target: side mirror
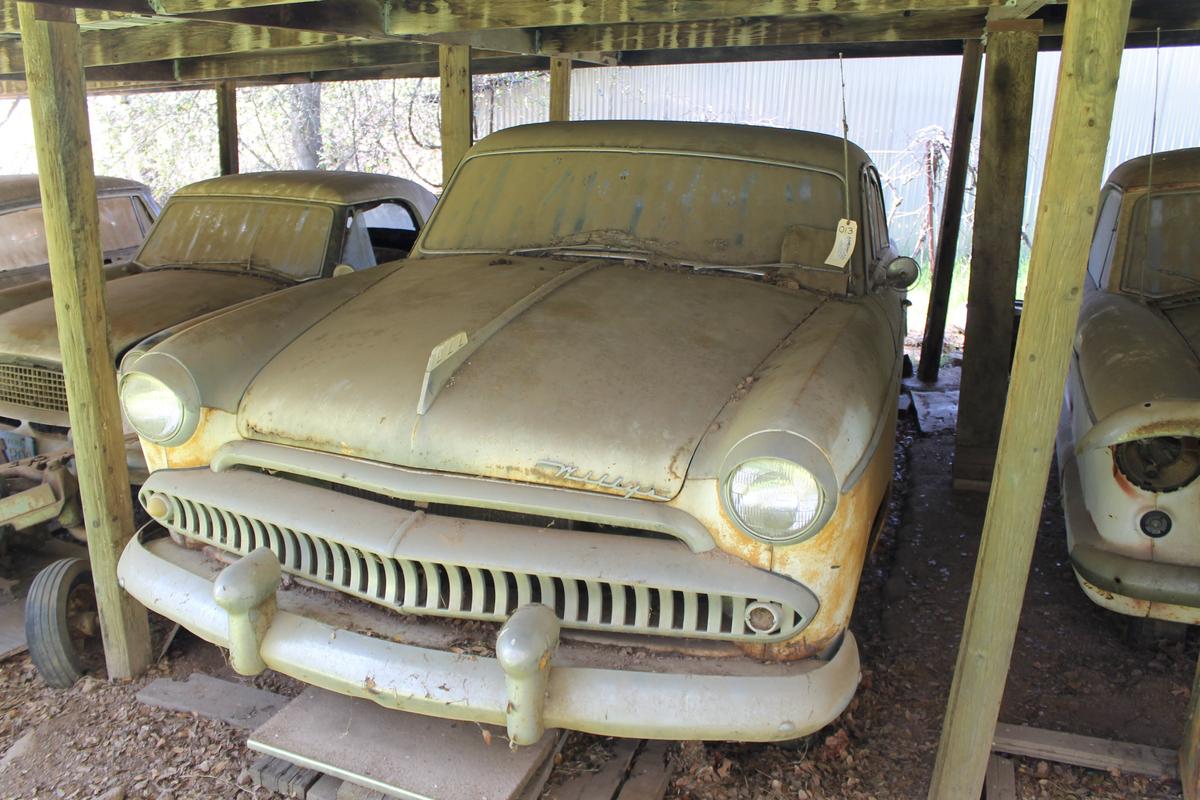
{"x": 346, "y": 269}
{"x": 901, "y": 272}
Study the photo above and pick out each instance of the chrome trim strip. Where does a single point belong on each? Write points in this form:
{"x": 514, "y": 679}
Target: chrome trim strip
{"x": 459, "y": 490}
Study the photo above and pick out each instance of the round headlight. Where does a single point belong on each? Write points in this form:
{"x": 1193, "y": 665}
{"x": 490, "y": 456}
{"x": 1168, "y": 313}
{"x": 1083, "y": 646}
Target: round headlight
{"x": 153, "y": 409}
{"x": 773, "y": 498}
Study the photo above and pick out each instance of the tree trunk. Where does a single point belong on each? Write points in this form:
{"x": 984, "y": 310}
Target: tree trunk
{"x": 306, "y": 124}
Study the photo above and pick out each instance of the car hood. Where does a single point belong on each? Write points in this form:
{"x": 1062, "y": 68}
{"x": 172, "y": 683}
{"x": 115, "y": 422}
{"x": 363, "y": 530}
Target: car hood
{"x": 138, "y": 305}
{"x": 603, "y": 375}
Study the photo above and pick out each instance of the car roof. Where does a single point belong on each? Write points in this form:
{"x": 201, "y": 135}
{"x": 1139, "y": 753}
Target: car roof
{"x": 339, "y": 188}
{"x": 1170, "y": 167}
{"x": 22, "y": 190}
{"x": 748, "y": 141}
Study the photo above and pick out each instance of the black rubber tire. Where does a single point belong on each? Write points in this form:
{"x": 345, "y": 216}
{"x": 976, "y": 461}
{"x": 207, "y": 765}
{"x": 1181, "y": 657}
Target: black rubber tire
{"x": 47, "y": 632}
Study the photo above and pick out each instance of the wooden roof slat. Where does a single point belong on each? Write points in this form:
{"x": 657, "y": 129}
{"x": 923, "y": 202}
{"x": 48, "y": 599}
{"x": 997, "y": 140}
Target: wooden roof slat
{"x": 914, "y": 26}
{"x": 194, "y": 6}
{"x": 171, "y": 41}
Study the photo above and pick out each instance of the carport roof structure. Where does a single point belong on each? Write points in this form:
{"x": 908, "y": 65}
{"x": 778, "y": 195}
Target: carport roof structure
{"x": 57, "y": 51}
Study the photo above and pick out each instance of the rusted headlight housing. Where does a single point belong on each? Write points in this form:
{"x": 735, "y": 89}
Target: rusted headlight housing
{"x": 1161, "y": 463}
{"x": 160, "y": 399}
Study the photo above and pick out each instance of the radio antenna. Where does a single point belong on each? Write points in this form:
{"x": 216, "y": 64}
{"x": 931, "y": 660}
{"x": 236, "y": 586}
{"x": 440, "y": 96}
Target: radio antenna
{"x": 845, "y": 135}
{"x": 1150, "y": 165}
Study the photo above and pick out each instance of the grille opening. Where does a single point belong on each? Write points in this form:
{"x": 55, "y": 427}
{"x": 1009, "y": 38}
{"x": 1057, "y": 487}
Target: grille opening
{"x": 469, "y": 591}
{"x": 9, "y": 422}
{"x": 35, "y": 387}
{"x": 53, "y": 430}
{"x": 467, "y": 512}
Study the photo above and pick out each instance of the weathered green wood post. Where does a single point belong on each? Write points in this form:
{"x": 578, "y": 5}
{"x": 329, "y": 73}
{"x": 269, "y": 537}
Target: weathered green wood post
{"x": 54, "y": 72}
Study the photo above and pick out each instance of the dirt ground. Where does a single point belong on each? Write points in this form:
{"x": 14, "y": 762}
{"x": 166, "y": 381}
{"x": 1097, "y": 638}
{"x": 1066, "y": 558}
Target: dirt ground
{"x": 1072, "y": 671}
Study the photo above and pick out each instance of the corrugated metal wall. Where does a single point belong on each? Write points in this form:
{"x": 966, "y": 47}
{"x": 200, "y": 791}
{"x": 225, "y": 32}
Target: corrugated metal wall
{"x": 894, "y": 107}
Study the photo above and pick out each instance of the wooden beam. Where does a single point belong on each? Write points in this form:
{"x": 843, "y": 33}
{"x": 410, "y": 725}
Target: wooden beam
{"x": 171, "y": 41}
{"x": 458, "y": 117}
{"x": 1083, "y": 103}
{"x": 745, "y": 32}
{"x": 952, "y": 203}
{"x": 996, "y": 245}
{"x": 195, "y": 6}
{"x": 560, "y": 89}
{"x": 1189, "y": 749}
{"x": 68, "y": 188}
{"x": 447, "y": 17}
{"x": 227, "y": 127}
{"x": 1084, "y": 751}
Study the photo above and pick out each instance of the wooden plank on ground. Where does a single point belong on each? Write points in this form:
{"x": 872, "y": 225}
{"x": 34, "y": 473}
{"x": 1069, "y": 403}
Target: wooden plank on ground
{"x": 650, "y": 774}
{"x": 12, "y": 627}
{"x": 604, "y": 783}
{"x": 233, "y": 703}
{"x": 936, "y": 411}
{"x": 1001, "y": 780}
{"x": 399, "y": 753}
{"x": 1084, "y": 751}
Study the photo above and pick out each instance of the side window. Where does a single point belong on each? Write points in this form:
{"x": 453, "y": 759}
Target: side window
{"x": 357, "y": 250}
{"x": 120, "y": 229}
{"x": 1100, "y": 256}
{"x": 391, "y": 227}
{"x": 874, "y": 216}
{"x": 144, "y": 213}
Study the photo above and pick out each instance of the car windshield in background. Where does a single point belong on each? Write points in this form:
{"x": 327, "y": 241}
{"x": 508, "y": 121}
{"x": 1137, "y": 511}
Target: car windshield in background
{"x": 1162, "y": 255}
{"x": 695, "y": 208}
{"x": 23, "y": 233}
{"x": 224, "y": 232}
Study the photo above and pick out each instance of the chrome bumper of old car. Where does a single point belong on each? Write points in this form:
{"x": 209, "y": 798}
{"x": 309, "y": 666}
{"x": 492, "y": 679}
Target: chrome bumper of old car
{"x": 1127, "y": 585}
{"x": 531, "y": 684}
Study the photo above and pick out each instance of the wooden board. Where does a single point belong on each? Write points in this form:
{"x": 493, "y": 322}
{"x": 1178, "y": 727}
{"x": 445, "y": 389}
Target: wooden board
{"x": 233, "y": 703}
{"x": 397, "y": 753}
{"x": 1083, "y": 105}
{"x": 1084, "y": 751}
{"x": 604, "y": 783}
{"x": 936, "y": 411}
{"x": 12, "y": 626}
{"x": 1001, "y": 780}
{"x": 458, "y": 121}
{"x": 651, "y": 773}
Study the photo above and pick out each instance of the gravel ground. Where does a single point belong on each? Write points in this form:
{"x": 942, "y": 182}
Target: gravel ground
{"x": 1072, "y": 671}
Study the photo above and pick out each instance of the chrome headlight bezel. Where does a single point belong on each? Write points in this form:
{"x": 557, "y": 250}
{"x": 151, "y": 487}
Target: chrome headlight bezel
{"x": 785, "y": 446}
{"x": 173, "y": 376}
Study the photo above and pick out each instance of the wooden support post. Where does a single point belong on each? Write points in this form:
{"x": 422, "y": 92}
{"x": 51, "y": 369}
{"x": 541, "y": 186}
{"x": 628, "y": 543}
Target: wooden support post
{"x": 227, "y": 127}
{"x": 458, "y": 119}
{"x": 1012, "y": 48}
{"x": 54, "y": 72}
{"x": 1087, "y": 83}
{"x": 952, "y": 204}
{"x": 1189, "y": 750}
{"x": 560, "y": 88}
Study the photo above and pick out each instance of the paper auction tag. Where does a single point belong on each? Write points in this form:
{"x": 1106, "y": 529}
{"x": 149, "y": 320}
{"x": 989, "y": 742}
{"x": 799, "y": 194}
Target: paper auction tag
{"x": 843, "y": 245}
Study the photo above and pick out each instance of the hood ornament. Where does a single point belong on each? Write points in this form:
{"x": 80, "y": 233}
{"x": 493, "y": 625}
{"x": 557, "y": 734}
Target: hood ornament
{"x": 570, "y": 472}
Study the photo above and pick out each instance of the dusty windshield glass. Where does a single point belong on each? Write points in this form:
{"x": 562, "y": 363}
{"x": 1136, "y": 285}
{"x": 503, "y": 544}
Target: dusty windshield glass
{"x": 1161, "y": 259}
{"x": 23, "y": 232}
{"x": 225, "y": 232}
{"x": 692, "y": 207}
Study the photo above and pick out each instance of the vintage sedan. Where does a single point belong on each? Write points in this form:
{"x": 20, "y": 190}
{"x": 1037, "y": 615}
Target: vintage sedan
{"x": 628, "y": 409}
{"x": 220, "y": 242}
{"x": 127, "y": 210}
{"x": 1129, "y": 443}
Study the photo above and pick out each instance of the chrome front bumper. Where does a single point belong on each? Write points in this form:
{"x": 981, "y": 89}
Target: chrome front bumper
{"x": 529, "y": 686}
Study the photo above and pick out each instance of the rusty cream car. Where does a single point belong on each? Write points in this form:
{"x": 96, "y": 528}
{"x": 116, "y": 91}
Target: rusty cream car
{"x": 606, "y": 454}
{"x": 1129, "y": 443}
{"x": 218, "y": 242}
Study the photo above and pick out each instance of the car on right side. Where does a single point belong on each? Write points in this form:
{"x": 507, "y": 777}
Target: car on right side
{"x": 1129, "y": 439}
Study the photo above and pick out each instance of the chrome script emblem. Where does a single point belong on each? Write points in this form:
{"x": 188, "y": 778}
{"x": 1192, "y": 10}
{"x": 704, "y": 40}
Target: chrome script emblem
{"x": 570, "y": 472}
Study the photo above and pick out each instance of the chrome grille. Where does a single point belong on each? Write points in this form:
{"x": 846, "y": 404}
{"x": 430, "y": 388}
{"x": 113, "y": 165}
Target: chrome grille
{"x": 34, "y": 387}
{"x": 471, "y": 592}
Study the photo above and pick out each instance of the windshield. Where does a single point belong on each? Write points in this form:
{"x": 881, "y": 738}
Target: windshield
{"x": 692, "y": 207}
{"x": 1161, "y": 258}
{"x": 224, "y": 232}
{"x": 23, "y": 232}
